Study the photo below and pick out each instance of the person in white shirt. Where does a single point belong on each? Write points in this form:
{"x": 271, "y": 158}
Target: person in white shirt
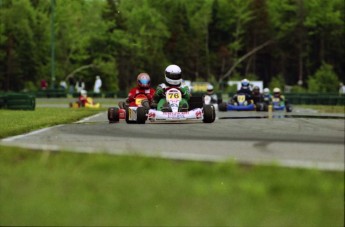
{"x": 341, "y": 89}
{"x": 98, "y": 85}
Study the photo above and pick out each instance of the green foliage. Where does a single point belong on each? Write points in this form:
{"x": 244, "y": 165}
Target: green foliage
{"x": 204, "y": 38}
{"x": 324, "y": 80}
{"x": 107, "y": 70}
{"x": 277, "y": 81}
{"x": 298, "y": 89}
{"x": 282, "y": 17}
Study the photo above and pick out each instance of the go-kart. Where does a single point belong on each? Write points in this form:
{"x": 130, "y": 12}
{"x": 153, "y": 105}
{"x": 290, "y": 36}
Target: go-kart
{"x": 129, "y": 112}
{"x": 240, "y": 102}
{"x": 278, "y": 105}
{"x": 88, "y": 104}
{"x": 206, "y": 113}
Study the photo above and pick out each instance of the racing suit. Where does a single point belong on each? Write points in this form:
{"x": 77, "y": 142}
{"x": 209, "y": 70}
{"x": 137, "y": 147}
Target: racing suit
{"x": 159, "y": 96}
{"x": 149, "y": 92}
{"x": 258, "y": 98}
{"x": 247, "y": 92}
{"x": 279, "y": 99}
{"x": 82, "y": 100}
{"x": 267, "y": 99}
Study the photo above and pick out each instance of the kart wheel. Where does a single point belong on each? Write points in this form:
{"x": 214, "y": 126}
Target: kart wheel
{"x": 141, "y": 115}
{"x": 288, "y": 108}
{"x": 209, "y": 114}
{"x": 259, "y": 106}
{"x": 113, "y": 114}
{"x": 223, "y": 106}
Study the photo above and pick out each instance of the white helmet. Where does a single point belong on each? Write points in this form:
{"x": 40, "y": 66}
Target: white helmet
{"x": 173, "y": 75}
{"x": 266, "y": 91}
{"x": 276, "y": 90}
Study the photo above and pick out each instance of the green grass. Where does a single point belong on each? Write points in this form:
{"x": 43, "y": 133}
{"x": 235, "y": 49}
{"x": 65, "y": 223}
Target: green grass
{"x": 43, "y": 188}
{"x": 324, "y": 109}
{"x": 15, "y": 122}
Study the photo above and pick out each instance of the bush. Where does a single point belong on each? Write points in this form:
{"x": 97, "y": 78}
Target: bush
{"x": 324, "y": 80}
{"x": 277, "y": 81}
{"x": 298, "y": 89}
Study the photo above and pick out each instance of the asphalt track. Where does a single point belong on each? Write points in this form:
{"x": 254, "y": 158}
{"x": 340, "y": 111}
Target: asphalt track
{"x": 301, "y": 139}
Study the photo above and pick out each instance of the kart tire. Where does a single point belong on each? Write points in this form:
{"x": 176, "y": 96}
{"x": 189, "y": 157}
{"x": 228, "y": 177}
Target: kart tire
{"x": 223, "y": 106}
{"x": 141, "y": 115}
{"x": 288, "y": 108}
{"x": 209, "y": 113}
{"x": 113, "y": 114}
{"x": 260, "y": 106}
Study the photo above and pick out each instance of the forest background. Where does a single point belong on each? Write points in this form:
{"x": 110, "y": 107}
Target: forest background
{"x": 299, "y": 43}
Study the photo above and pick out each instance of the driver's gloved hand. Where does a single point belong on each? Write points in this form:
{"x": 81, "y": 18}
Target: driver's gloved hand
{"x": 145, "y": 103}
{"x": 126, "y": 104}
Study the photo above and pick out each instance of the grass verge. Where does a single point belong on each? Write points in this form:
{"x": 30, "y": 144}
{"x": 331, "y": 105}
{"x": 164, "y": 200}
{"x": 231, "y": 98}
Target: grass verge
{"x": 14, "y": 122}
{"x": 324, "y": 109}
{"x": 62, "y": 188}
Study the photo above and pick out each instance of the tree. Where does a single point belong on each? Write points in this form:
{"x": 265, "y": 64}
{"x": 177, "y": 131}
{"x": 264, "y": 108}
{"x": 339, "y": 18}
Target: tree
{"x": 22, "y": 60}
{"x": 325, "y": 24}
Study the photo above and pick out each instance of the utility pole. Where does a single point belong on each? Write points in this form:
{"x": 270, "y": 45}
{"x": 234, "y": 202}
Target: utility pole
{"x": 52, "y": 42}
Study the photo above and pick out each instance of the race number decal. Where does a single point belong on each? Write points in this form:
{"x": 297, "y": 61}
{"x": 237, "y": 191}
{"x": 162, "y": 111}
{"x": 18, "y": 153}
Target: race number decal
{"x": 139, "y": 98}
{"x": 275, "y": 100}
{"x": 241, "y": 98}
{"x": 173, "y": 95}
{"x": 138, "y": 101}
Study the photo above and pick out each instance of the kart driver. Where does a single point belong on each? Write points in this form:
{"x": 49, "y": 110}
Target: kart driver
{"x": 143, "y": 87}
{"x": 245, "y": 89}
{"x": 173, "y": 79}
{"x": 267, "y": 96}
{"x": 257, "y": 96}
{"x": 210, "y": 92}
{"x": 83, "y": 100}
{"x": 277, "y": 95}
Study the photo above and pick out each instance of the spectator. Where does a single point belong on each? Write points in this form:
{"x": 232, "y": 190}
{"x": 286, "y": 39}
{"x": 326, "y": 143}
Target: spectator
{"x": 71, "y": 84}
{"x": 80, "y": 85}
{"x": 98, "y": 85}
{"x": 44, "y": 84}
{"x": 63, "y": 85}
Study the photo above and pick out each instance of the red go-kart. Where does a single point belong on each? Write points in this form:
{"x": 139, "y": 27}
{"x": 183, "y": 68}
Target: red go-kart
{"x": 134, "y": 112}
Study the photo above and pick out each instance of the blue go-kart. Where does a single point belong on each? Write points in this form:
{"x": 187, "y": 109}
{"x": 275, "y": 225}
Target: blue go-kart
{"x": 278, "y": 105}
{"x": 240, "y": 102}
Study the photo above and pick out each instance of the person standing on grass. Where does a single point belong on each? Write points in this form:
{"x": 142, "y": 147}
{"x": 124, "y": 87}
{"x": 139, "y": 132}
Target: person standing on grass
{"x": 98, "y": 85}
